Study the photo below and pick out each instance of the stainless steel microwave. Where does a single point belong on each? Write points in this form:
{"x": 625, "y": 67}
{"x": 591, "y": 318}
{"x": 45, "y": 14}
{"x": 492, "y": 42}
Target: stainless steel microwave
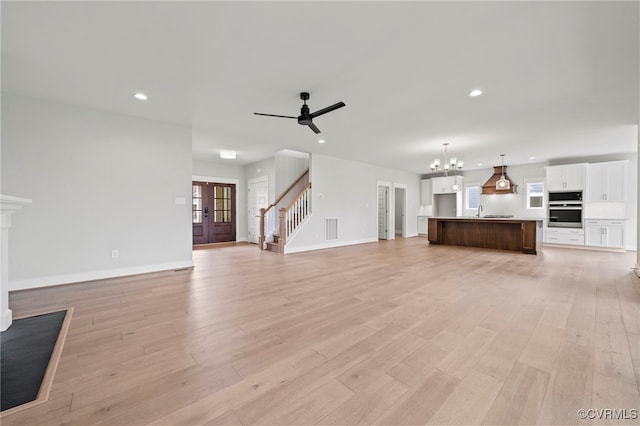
{"x": 567, "y": 197}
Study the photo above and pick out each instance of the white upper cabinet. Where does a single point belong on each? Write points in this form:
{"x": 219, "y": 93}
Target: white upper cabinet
{"x": 569, "y": 177}
{"x": 605, "y": 182}
{"x": 444, "y": 184}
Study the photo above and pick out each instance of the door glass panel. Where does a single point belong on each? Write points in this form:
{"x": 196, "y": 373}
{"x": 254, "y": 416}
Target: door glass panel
{"x": 196, "y": 203}
{"x": 222, "y": 203}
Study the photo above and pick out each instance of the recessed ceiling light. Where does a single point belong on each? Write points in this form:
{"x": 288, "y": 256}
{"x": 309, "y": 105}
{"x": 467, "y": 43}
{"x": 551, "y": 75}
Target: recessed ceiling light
{"x": 480, "y": 164}
{"x": 532, "y": 158}
{"x": 321, "y": 141}
{"x": 227, "y": 155}
{"x": 140, "y": 96}
{"x": 475, "y": 92}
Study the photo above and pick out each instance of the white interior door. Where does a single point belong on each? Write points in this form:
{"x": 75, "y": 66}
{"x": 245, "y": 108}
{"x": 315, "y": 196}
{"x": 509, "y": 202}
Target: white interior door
{"x": 383, "y": 212}
{"x": 258, "y": 197}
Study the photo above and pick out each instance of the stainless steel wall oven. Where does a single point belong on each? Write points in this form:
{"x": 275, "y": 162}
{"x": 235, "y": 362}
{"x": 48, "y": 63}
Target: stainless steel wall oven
{"x": 565, "y": 209}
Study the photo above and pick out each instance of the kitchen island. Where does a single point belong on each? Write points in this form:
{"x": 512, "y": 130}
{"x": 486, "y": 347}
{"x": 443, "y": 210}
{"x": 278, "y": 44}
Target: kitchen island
{"x": 513, "y": 234}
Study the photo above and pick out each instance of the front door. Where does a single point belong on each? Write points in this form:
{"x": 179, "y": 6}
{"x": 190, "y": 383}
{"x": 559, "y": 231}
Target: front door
{"x": 213, "y": 212}
{"x": 223, "y": 225}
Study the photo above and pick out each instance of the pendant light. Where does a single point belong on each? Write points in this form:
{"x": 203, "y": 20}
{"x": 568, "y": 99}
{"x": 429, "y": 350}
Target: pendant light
{"x": 502, "y": 183}
{"x": 456, "y": 187}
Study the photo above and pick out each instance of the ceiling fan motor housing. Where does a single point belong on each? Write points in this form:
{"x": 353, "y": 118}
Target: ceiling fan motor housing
{"x": 305, "y": 115}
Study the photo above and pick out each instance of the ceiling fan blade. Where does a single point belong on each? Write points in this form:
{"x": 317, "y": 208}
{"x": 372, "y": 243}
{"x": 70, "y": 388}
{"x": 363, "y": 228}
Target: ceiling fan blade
{"x": 314, "y": 128}
{"x": 274, "y": 115}
{"x": 327, "y": 109}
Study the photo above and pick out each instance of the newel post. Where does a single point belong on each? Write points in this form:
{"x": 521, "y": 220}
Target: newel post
{"x": 282, "y": 239}
{"x": 261, "y": 236}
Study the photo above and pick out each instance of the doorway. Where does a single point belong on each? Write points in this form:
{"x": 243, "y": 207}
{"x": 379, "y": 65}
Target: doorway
{"x": 257, "y": 198}
{"x": 400, "y": 206}
{"x": 213, "y": 212}
{"x": 383, "y": 212}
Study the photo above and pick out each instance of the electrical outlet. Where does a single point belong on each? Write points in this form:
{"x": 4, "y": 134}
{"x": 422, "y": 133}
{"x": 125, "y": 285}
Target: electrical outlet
{"x": 115, "y": 254}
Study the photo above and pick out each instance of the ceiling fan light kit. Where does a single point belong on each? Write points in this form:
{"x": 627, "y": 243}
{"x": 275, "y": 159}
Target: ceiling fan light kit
{"x": 306, "y": 117}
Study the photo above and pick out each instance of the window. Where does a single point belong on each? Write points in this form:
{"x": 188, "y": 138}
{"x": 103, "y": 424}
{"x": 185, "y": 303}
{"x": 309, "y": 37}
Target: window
{"x": 222, "y": 203}
{"x": 196, "y": 203}
{"x": 472, "y": 197}
{"x": 535, "y": 195}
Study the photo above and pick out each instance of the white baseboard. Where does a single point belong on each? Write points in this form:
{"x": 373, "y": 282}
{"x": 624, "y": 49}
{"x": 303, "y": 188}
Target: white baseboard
{"x": 6, "y": 319}
{"x": 328, "y": 244}
{"x": 95, "y": 275}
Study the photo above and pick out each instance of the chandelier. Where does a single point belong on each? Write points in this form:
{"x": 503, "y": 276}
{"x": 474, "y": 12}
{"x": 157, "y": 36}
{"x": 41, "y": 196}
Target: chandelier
{"x": 450, "y": 164}
{"x": 502, "y": 183}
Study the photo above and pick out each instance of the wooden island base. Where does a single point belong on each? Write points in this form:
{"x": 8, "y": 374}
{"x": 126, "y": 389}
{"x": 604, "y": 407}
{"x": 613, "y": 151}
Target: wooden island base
{"x": 524, "y": 235}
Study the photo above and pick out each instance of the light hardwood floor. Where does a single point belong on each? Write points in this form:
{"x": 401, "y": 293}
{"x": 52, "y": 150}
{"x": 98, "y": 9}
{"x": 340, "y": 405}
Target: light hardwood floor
{"x": 395, "y": 332}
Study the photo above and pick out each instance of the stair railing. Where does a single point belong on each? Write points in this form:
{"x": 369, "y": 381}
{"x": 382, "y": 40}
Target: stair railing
{"x": 269, "y": 217}
{"x": 293, "y": 216}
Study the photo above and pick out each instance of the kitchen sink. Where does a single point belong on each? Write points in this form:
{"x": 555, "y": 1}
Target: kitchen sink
{"x": 498, "y": 216}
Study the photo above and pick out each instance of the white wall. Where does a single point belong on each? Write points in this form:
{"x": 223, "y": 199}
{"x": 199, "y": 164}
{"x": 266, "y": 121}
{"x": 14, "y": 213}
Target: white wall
{"x": 266, "y": 167}
{"x": 348, "y": 190}
{"x": 99, "y": 182}
{"x": 289, "y": 165}
{"x": 217, "y": 171}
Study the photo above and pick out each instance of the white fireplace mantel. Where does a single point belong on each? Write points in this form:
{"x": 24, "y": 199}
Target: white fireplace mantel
{"x": 8, "y": 206}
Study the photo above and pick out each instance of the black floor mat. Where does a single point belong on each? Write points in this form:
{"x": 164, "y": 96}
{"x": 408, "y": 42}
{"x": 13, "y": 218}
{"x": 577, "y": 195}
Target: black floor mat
{"x": 25, "y": 350}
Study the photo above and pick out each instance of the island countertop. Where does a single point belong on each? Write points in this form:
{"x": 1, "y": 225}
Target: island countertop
{"x": 501, "y": 233}
{"x": 505, "y": 218}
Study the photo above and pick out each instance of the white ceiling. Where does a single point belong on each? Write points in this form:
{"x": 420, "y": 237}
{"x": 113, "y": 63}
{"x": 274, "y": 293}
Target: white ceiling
{"x": 559, "y": 79}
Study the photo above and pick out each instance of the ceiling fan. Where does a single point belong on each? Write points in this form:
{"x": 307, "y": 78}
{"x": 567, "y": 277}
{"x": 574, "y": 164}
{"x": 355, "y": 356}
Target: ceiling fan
{"x": 306, "y": 118}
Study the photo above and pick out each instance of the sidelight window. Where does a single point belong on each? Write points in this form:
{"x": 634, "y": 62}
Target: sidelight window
{"x": 196, "y": 203}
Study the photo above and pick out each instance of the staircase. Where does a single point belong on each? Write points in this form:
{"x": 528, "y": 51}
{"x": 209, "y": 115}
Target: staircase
{"x": 275, "y": 245}
{"x": 276, "y": 230}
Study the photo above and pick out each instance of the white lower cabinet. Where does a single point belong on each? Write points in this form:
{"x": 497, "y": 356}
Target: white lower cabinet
{"x": 422, "y": 225}
{"x": 569, "y": 236}
{"x": 604, "y": 233}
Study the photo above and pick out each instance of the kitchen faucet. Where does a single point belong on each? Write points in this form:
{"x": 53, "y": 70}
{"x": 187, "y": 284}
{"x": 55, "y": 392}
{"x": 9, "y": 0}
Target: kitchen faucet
{"x": 479, "y": 210}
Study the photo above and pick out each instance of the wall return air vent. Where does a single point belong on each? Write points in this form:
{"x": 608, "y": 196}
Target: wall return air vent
{"x": 331, "y": 228}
